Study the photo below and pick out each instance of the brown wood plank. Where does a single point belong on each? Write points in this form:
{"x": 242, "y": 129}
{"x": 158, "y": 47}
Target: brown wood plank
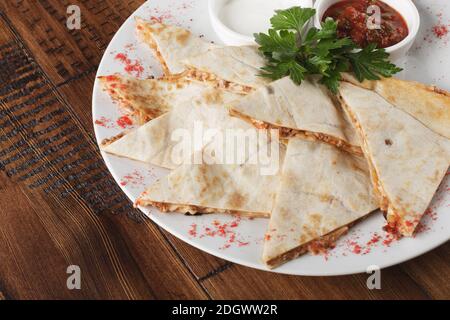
{"x": 159, "y": 264}
{"x": 31, "y": 267}
{"x": 239, "y": 282}
{"x": 432, "y": 272}
{"x": 78, "y": 95}
{"x": 54, "y": 186}
{"x": 61, "y": 52}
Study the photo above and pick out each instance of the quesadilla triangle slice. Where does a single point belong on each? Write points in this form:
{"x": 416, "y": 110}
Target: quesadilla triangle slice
{"x": 170, "y": 43}
{"x": 407, "y": 160}
{"x": 307, "y": 111}
{"x": 241, "y": 189}
{"x": 428, "y": 104}
{"x": 159, "y": 141}
{"x": 232, "y": 68}
{"x": 323, "y": 191}
{"x": 150, "y": 98}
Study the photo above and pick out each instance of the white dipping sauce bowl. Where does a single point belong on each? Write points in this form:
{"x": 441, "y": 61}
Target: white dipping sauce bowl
{"x": 231, "y": 37}
{"x": 405, "y": 7}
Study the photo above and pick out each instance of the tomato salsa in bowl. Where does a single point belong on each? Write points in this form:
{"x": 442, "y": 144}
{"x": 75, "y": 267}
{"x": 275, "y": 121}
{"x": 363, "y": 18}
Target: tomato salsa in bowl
{"x": 368, "y": 21}
{"x": 391, "y": 24}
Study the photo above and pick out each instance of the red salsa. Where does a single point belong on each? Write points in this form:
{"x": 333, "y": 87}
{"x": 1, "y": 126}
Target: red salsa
{"x": 352, "y": 17}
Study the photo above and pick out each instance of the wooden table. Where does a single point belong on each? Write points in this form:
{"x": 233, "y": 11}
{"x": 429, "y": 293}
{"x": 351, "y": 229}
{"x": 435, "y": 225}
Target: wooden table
{"x": 59, "y": 205}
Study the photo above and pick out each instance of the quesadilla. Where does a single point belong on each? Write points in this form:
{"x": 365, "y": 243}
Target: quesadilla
{"x": 171, "y": 44}
{"x": 150, "y": 98}
{"x": 323, "y": 190}
{"x": 232, "y": 68}
{"x": 307, "y": 110}
{"x": 239, "y": 189}
{"x": 157, "y": 142}
{"x": 428, "y": 104}
{"x": 407, "y": 160}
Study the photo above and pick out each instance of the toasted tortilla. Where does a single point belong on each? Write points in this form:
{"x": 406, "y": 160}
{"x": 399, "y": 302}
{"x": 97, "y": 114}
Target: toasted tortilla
{"x": 407, "y": 160}
{"x": 158, "y": 141}
{"x": 170, "y": 43}
{"x": 323, "y": 190}
{"x": 428, "y": 104}
{"x": 232, "y": 68}
{"x": 238, "y": 189}
{"x": 150, "y": 98}
{"x": 307, "y": 110}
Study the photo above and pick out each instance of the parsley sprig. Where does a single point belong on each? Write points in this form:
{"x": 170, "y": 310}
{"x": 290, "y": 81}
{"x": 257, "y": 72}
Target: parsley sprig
{"x": 292, "y": 52}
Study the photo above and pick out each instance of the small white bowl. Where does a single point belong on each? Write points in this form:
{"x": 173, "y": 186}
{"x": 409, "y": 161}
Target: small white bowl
{"x": 405, "y": 7}
{"x": 233, "y": 38}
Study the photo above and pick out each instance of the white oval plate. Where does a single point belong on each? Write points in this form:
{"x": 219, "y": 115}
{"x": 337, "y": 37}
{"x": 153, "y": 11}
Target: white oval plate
{"x": 241, "y": 241}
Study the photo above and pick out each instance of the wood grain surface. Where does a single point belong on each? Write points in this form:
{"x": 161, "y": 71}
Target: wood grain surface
{"x": 59, "y": 205}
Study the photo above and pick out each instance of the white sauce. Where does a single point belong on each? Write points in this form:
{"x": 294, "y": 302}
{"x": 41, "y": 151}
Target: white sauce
{"x": 251, "y": 16}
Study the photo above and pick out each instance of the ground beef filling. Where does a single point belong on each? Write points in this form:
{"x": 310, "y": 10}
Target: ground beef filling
{"x": 108, "y": 141}
{"x": 194, "y": 210}
{"x": 286, "y": 133}
{"x": 217, "y": 82}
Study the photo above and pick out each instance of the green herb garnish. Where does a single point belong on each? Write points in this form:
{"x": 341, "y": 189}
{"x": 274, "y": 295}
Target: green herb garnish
{"x": 292, "y": 52}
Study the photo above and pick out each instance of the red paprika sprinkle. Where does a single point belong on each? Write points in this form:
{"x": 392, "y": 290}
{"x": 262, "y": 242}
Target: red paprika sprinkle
{"x": 225, "y": 230}
{"x": 112, "y": 78}
{"x": 130, "y": 66}
{"x": 124, "y": 122}
{"x": 356, "y": 247}
{"x": 242, "y": 244}
{"x": 193, "y": 230}
{"x": 103, "y": 122}
{"x": 375, "y": 239}
{"x": 440, "y": 30}
{"x": 135, "y": 178}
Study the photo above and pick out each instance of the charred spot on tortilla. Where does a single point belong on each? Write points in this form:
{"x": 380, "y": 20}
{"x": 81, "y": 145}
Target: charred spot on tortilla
{"x": 388, "y": 142}
{"x": 270, "y": 89}
{"x": 213, "y": 96}
{"x": 183, "y": 36}
{"x": 236, "y": 200}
